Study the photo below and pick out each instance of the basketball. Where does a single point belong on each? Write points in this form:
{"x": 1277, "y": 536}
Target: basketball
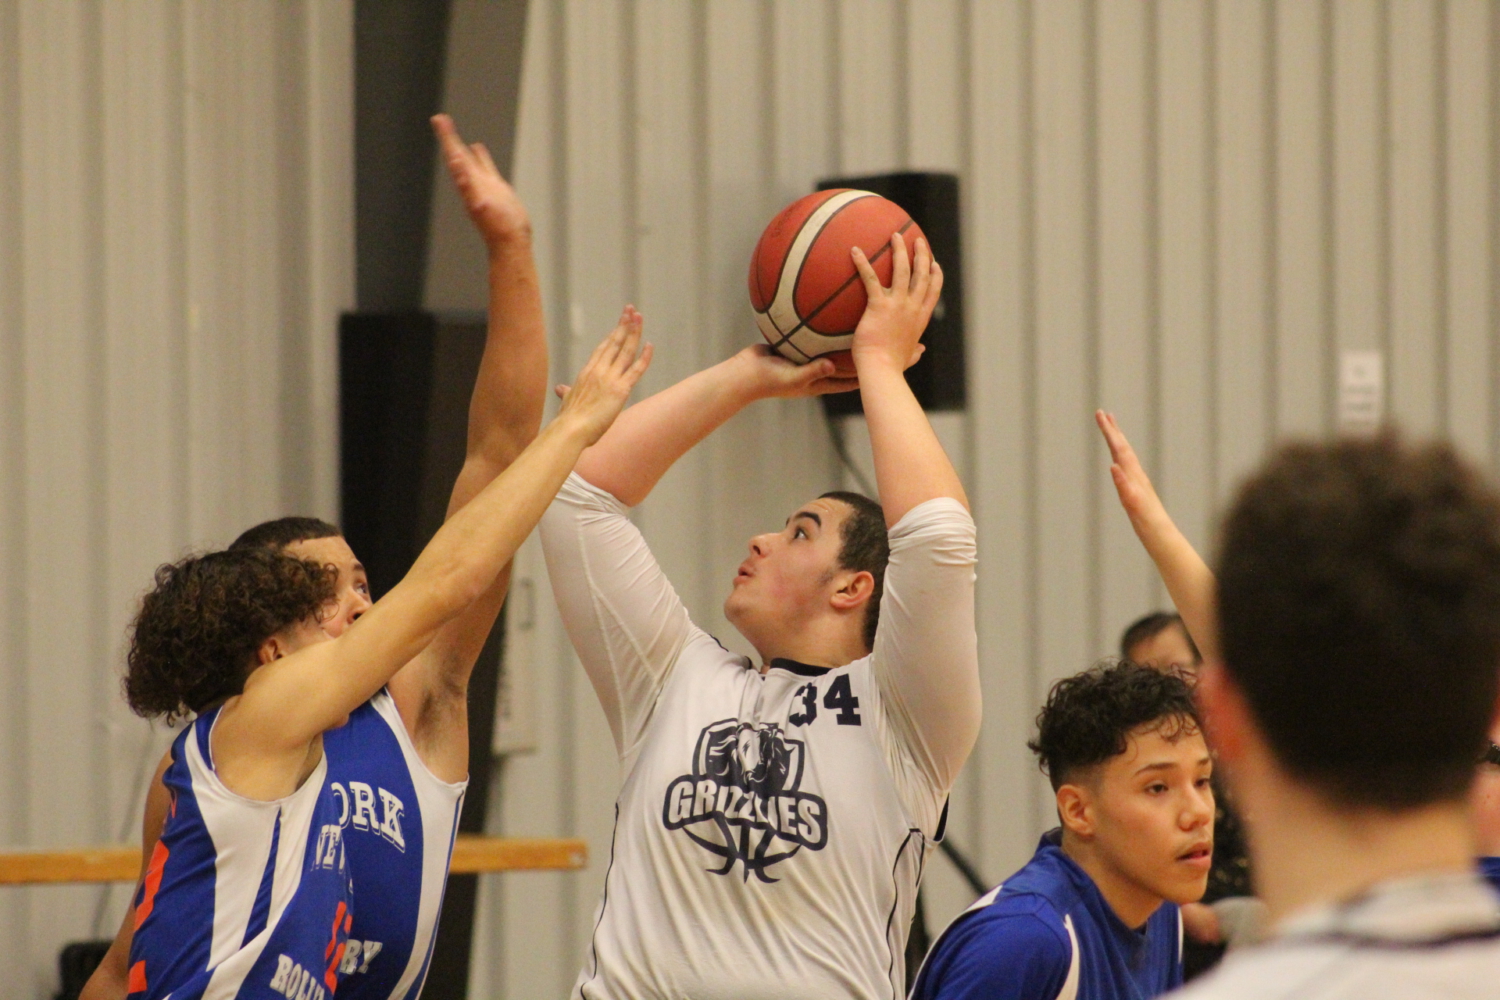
{"x": 805, "y": 291}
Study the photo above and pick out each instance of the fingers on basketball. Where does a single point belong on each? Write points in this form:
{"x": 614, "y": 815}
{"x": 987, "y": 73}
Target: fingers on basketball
{"x": 900, "y": 264}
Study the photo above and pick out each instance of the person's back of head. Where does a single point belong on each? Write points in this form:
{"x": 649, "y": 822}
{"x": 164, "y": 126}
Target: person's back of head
{"x": 1359, "y": 614}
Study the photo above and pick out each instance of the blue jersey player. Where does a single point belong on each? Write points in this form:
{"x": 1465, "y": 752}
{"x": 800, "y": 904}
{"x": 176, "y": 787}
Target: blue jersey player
{"x": 1486, "y": 806}
{"x": 250, "y": 891}
{"x": 398, "y": 768}
{"x": 1094, "y": 915}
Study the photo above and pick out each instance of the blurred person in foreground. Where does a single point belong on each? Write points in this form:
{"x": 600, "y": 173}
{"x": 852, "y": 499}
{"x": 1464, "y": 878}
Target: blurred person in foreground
{"x": 1093, "y": 915}
{"x": 1350, "y": 644}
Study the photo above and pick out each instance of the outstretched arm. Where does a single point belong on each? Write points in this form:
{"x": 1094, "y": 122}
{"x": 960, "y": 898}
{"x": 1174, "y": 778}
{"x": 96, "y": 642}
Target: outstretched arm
{"x": 910, "y": 465}
{"x": 653, "y": 434}
{"x": 505, "y": 412}
{"x": 265, "y": 734}
{"x": 925, "y": 658}
{"x": 1188, "y": 579}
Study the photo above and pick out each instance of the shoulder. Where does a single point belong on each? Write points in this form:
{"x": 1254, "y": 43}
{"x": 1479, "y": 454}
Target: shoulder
{"x": 1017, "y": 946}
{"x": 940, "y": 519}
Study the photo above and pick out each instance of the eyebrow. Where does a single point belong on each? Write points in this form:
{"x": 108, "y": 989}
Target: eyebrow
{"x": 814, "y": 518}
{"x": 1166, "y": 765}
{"x": 358, "y": 567}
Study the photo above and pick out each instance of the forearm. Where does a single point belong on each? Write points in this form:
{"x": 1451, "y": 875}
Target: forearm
{"x": 505, "y": 411}
{"x": 652, "y": 435}
{"x": 1189, "y": 581}
{"x": 910, "y": 464}
{"x": 452, "y": 572}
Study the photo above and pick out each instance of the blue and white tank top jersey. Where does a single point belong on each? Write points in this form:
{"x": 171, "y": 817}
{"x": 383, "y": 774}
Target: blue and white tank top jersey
{"x": 242, "y": 899}
{"x": 398, "y": 822}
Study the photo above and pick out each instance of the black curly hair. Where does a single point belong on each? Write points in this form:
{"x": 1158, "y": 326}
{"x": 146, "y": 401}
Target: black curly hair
{"x": 195, "y": 639}
{"x": 1089, "y": 717}
{"x": 1358, "y": 588}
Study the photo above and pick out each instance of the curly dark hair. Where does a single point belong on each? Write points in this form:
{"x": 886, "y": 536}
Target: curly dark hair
{"x": 1359, "y": 611}
{"x": 1088, "y": 718}
{"x": 864, "y": 544}
{"x": 195, "y": 639}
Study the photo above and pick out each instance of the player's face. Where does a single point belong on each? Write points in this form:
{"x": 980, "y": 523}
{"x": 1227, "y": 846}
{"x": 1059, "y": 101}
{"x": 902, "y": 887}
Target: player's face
{"x": 1154, "y": 814}
{"x": 789, "y": 575}
{"x": 353, "y": 585}
{"x": 1164, "y": 650}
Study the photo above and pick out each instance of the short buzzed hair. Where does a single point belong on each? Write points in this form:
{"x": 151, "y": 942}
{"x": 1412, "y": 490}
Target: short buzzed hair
{"x": 1359, "y": 612}
{"x": 864, "y": 544}
{"x": 278, "y": 534}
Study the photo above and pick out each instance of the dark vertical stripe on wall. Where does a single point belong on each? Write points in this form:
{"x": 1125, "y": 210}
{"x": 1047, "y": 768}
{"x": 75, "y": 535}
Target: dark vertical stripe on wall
{"x": 1269, "y": 119}
{"x": 567, "y": 679}
{"x": 1211, "y": 243}
{"x": 1493, "y": 68}
{"x": 398, "y": 82}
{"x": 1440, "y": 203}
{"x": 1032, "y": 560}
{"x": 835, "y": 87}
{"x": 1155, "y": 405}
{"x": 12, "y": 452}
{"x": 1091, "y": 258}
{"x": 1384, "y": 250}
{"x": 97, "y": 511}
{"x": 1327, "y": 163}
{"x": 291, "y": 113}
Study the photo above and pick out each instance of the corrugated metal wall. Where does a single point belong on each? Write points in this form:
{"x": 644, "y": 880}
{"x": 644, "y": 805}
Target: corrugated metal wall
{"x": 176, "y": 242}
{"x": 1182, "y": 210}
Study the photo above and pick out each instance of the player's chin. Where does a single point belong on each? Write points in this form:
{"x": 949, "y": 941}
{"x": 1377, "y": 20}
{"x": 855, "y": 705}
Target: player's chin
{"x": 1184, "y": 884}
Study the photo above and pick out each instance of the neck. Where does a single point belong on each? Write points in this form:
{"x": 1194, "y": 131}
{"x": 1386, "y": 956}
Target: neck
{"x": 1130, "y": 901}
{"x": 817, "y": 644}
{"x": 1307, "y": 852}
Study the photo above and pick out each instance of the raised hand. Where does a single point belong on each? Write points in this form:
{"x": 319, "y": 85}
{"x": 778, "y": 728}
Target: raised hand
{"x": 1188, "y": 578}
{"x": 491, "y": 202}
{"x": 895, "y": 317}
{"x": 1148, "y": 515}
{"x": 599, "y": 393}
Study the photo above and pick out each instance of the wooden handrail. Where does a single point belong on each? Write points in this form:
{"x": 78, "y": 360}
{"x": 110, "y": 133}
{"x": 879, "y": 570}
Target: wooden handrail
{"x": 122, "y": 863}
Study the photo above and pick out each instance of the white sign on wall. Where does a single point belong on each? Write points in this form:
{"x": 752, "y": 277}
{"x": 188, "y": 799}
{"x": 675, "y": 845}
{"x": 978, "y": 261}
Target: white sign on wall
{"x": 1361, "y": 391}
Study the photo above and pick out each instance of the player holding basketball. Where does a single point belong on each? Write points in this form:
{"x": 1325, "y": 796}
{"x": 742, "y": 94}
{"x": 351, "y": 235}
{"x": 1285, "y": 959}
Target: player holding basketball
{"x": 775, "y": 813}
{"x": 249, "y": 890}
{"x": 403, "y": 775}
{"x": 1350, "y": 646}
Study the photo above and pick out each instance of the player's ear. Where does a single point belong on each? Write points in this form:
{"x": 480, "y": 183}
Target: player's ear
{"x": 1075, "y": 809}
{"x": 1226, "y": 713}
{"x": 854, "y": 590}
{"x": 274, "y": 648}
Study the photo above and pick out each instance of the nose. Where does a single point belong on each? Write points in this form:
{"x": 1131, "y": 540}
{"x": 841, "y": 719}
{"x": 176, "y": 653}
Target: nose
{"x": 360, "y": 605}
{"x": 760, "y": 545}
{"x": 1200, "y": 808}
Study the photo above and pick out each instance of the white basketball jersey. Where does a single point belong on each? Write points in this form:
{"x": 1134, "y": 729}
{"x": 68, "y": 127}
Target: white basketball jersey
{"x": 772, "y": 827}
{"x": 1424, "y": 938}
{"x": 760, "y": 846}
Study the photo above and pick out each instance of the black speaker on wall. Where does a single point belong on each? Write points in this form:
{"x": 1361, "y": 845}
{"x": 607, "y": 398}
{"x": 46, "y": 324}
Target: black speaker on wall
{"x": 404, "y": 384}
{"x": 931, "y": 199}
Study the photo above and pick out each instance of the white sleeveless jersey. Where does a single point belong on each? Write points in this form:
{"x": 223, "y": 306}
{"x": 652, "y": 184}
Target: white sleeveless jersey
{"x": 771, "y": 830}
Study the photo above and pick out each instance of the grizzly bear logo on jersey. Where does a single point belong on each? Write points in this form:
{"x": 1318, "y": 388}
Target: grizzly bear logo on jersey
{"x": 742, "y": 803}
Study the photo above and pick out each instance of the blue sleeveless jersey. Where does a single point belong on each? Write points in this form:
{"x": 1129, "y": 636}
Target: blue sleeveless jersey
{"x": 398, "y": 822}
{"x": 241, "y": 899}
{"x": 1046, "y": 933}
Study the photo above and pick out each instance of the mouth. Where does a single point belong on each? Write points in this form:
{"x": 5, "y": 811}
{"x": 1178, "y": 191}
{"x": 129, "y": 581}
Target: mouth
{"x": 743, "y": 573}
{"x": 1198, "y": 856}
